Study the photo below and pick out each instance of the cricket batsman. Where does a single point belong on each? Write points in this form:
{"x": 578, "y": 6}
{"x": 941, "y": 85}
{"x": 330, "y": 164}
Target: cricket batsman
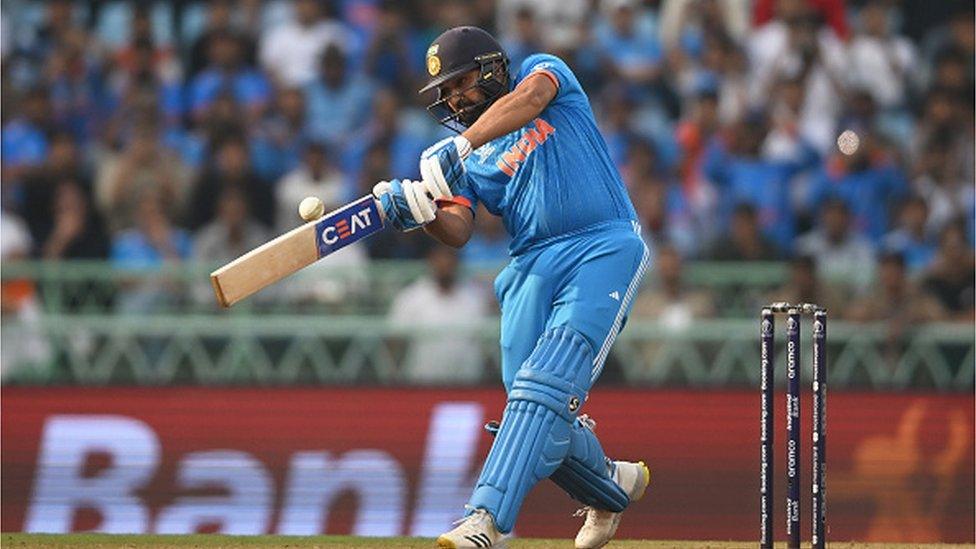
{"x": 529, "y": 150}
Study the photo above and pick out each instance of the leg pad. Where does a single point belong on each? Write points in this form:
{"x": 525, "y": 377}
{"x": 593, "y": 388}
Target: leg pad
{"x": 536, "y": 432}
{"x": 585, "y": 473}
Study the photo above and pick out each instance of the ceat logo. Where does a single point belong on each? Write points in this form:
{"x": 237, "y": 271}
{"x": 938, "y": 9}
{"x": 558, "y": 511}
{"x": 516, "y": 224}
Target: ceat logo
{"x": 343, "y": 228}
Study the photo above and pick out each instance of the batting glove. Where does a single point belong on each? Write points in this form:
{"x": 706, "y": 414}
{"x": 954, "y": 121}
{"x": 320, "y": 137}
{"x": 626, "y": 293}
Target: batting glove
{"x": 405, "y": 203}
{"x": 442, "y": 166}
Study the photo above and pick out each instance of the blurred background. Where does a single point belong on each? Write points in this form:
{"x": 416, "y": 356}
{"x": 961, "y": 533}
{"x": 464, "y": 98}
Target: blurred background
{"x": 146, "y": 143}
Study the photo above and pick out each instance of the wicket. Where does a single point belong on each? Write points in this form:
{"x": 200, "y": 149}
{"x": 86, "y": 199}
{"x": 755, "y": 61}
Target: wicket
{"x": 767, "y": 331}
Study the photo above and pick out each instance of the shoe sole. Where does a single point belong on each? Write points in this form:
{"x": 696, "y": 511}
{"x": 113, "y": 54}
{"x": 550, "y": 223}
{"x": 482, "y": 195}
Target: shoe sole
{"x": 444, "y": 543}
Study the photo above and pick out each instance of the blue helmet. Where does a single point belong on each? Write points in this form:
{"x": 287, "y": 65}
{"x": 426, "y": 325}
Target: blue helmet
{"x": 456, "y": 52}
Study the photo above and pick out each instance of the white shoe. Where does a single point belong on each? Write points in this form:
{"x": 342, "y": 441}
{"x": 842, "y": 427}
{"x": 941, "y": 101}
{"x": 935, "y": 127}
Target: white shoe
{"x": 600, "y": 526}
{"x": 476, "y": 530}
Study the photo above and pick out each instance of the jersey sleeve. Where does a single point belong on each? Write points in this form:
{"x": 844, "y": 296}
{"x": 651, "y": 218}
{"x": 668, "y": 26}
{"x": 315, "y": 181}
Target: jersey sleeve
{"x": 554, "y": 68}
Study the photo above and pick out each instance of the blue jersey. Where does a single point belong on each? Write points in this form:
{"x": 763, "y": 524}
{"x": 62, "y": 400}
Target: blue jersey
{"x": 553, "y": 176}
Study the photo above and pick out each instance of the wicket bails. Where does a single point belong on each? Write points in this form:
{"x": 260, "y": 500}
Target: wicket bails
{"x": 767, "y": 388}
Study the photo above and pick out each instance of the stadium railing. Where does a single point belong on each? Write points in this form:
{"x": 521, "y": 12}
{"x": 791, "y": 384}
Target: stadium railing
{"x": 94, "y": 287}
{"x": 80, "y": 333}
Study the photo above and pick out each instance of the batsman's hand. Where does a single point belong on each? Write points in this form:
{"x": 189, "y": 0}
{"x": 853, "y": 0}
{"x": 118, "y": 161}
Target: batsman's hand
{"x": 442, "y": 166}
{"x": 405, "y": 203}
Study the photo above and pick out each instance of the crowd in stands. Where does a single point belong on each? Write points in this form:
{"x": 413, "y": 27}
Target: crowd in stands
{"x": 153, "y": 132}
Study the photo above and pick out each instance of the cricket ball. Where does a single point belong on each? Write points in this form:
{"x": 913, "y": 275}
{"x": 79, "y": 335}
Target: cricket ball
{"x": 311, "y": 208}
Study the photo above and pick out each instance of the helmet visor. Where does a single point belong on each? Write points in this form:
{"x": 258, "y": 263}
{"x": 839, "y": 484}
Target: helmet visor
{"x": 464, "y": 113}
{"x": 460, "y": 119}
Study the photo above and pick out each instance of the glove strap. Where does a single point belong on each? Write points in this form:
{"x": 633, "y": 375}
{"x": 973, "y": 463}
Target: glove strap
{"x": 463, "y": 146}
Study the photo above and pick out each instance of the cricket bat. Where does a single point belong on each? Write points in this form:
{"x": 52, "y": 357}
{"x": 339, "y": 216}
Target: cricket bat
{"x": 296, "y": 250}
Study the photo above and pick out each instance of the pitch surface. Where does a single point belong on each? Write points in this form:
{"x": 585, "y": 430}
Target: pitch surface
{"x": 105, "y": 541}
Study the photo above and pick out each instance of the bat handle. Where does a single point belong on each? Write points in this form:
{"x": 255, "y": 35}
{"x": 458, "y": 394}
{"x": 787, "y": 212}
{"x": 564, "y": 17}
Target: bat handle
{"x": 379, "y": 208}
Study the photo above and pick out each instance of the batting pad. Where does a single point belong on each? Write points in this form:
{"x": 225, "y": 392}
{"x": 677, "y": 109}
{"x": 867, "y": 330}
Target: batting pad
{"x": 536, "y": 432}
{"x": 585, "y": 473}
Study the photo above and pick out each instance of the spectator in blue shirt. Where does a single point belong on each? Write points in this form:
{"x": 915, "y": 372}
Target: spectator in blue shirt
{"x": 227, "y": 72}
{"x": 25, "y": 141}
{"x": 51, "y": 22}
{"x": 664, "y": 215}
{"x": 910, "y": 239}
{"x": 524, "y": 40}
{"x": 869, "y": 187}
{"x": 394, "y": 49}
{"x": 143, "y": 66}
{"x": 153, "y": 241}
{"x": 115, "y": 23}
{"x": 337, "y": 101}
{"x": 616, "y": 125}
{"x": 279, "y": 140}
{"x": 151, "y": 244}
{"x": 633, "y": 52}
{"x": 392, "y": 125}
{"x": 77, "y": 85}
{"x": 743, "y": 176}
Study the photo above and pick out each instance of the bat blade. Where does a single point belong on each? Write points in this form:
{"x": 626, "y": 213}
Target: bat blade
{"x": 295, "y": 250}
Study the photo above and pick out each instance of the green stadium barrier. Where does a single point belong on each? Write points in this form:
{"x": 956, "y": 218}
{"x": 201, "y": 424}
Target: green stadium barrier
{"x": 287, "y": 350}
{"x": 80, "y": 333}
{"x": 96, "y": 287}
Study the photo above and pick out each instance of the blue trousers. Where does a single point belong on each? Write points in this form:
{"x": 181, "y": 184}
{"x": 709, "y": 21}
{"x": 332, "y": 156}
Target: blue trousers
{"x": 563, "y": 305}
{"x": 586, "y": 282}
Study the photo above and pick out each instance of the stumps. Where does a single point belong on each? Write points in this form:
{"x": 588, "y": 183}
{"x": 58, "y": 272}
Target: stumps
{"x": 794, "y": 315}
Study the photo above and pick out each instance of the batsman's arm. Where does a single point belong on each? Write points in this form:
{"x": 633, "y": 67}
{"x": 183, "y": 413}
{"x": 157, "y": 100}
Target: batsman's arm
{"x": 513, "y": 110}
{"x": 453, "y": 225}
